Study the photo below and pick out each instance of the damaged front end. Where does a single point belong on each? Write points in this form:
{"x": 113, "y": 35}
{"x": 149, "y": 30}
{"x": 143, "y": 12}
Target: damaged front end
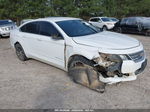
{"x": 109, "y": 67}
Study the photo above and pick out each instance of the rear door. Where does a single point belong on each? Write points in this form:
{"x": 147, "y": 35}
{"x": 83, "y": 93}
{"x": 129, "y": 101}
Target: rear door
{"x": 29, "y": 34}
{"x": 132, "y": 25}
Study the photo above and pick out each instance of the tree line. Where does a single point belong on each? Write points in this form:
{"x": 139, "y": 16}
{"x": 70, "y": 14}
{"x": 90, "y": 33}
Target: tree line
{"x": 24, "y": 9}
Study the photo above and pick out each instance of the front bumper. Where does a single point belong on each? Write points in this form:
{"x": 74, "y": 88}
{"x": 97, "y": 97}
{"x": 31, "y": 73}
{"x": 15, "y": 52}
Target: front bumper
{"x": 110, "y": 27}
{"x": 5, "y": 34}
{"x": 144, "y": 64}
{"x": 131, "y": 68}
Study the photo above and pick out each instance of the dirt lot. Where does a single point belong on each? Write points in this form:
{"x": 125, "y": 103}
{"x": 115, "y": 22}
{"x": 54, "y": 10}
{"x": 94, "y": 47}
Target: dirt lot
{"x": 33, "y": 84}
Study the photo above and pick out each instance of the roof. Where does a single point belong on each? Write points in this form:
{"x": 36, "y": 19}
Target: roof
{"x": 56, "y": 19}
{"x": 100, "y": 17}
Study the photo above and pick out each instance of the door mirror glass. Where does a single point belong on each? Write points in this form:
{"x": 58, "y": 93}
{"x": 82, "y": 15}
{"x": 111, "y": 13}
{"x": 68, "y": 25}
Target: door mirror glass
{"x": 99, "y": 21}
{"x": 56, "y": 36}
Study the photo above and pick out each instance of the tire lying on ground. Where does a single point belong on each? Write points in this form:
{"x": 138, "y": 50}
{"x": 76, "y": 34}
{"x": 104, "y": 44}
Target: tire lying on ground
{"x": 82, "y": 73}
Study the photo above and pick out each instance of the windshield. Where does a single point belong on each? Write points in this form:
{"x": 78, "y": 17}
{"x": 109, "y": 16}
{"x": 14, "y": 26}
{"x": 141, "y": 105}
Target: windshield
{"x": 5, "y": 22}
{"x": 75, "y": 28}
{"x": 114, "y": 19}
{"x": 106, "y": 19}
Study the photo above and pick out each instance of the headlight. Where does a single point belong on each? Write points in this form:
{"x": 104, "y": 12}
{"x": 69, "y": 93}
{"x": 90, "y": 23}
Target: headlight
{"x": 2, "y": 29}
{"x": 124, "y": 57}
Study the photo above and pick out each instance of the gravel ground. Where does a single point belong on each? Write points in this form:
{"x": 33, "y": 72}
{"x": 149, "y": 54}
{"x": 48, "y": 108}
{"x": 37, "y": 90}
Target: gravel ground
{"x": 33, "y": 85}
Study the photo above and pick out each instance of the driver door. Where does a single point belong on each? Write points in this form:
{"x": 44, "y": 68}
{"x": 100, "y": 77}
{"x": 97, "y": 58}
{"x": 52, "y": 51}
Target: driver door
{"x": 50, "y": 49}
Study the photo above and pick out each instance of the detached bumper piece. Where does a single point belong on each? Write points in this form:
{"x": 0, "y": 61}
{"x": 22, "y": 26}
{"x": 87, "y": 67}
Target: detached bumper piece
{"x": 116, "y": 79}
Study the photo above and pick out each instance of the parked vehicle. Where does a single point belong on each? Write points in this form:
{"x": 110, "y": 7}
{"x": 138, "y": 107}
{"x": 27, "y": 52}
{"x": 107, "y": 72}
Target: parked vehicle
{"x": 5, "y": 27}
{"x": 133, "y": 25}
{"x": 71, "y": 44}
{"x": 25, "y": 20}
{"x": 102, "y": 22}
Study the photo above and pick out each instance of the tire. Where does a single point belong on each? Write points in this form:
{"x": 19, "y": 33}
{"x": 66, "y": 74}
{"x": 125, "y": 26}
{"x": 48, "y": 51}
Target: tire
{"x": 20, "y": 52}
{"x": 104, "y": 28}
{"x": 82, "y": 72}
{"x": 79, "y": 61}
{"x": 119, "y": 30}
{"x": 147, "y": 33}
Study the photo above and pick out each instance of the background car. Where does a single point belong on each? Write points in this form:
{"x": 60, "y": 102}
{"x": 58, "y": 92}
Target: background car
{"x": 133, "y": 25}
{"x": 102, "y": 22}
{"x": 5, "y": 27}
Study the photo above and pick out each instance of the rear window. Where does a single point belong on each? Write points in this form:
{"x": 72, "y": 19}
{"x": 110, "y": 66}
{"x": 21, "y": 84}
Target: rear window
{"x": 95, "y": 19}
{"x": 30, "y": 28}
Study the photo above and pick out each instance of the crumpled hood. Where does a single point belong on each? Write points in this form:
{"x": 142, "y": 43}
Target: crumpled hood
{"x": 108, "y": 40}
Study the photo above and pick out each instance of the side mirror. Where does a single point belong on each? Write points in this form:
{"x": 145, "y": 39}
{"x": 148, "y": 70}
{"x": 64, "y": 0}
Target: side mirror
{"x": 99, "y": 21}
{"x": 57, "y": 37}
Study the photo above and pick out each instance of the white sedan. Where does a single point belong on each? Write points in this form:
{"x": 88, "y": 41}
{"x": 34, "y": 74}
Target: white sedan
{"x": 68, "y": 43}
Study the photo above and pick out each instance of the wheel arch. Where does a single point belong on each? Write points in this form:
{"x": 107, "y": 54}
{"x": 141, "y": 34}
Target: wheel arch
{"x": 17, "y": 42}
{"x": 77, "y": 55}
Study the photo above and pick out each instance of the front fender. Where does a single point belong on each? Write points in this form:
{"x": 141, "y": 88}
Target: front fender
{"x": 85, "y": 51}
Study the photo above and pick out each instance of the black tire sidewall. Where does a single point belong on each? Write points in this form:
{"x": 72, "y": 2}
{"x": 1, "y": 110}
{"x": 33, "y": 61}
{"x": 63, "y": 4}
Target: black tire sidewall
{"x": 105, "y": 28}
{"x": 147, "y": 33}
{"x": 81, "y": 60}
{"x": 23, "y": 56}
{"x": 119, "y": 30}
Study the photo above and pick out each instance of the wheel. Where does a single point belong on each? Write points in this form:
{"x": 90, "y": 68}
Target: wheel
{"x": 104, "y": 28}
{"x": 81, "y": 71}
{"x": 119, "y": 30}
{"x": 79, "y": 61}
{"x": 20, "y": 52}
{"x": 147, "y": 33}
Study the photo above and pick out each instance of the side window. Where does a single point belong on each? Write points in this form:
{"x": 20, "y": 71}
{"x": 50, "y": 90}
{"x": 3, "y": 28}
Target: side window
{"x": 30, "y": 28}
{"x": 95, "y": 19}
{"x": 131, "y": 21}
{"x": 124, "y": 21}
{"x": 47, "y": 29}
{"x": 23, "y": 28}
